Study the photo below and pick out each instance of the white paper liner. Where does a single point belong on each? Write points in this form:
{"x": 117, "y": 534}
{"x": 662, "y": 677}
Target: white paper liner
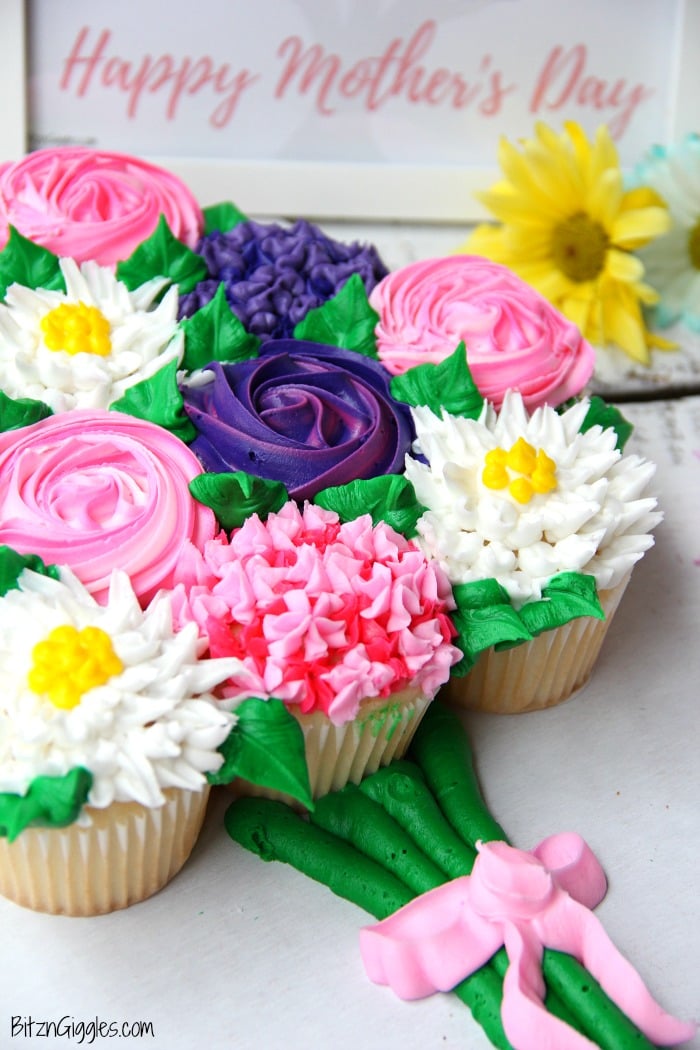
{"x": 338, "y": 755}
{"x": 127, "y": 853}
{"x": 541, "y": 673}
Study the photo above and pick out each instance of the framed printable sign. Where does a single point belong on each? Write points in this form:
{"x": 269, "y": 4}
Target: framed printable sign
{"x": 347, "y": 108}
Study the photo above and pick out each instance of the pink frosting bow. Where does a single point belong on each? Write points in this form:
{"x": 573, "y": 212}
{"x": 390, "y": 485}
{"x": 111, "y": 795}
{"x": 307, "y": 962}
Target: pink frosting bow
{"x": 526, "y": 901}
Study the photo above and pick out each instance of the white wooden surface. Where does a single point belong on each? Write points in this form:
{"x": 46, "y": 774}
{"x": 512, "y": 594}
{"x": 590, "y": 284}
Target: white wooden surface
{"x": 240, "y": 954}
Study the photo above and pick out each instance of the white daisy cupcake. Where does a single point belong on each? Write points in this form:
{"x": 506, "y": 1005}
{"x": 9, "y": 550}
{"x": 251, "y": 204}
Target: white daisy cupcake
{"x": 537, "y": 520}
{"x": 108, "y": 729}
{"x": 85, "y": 346}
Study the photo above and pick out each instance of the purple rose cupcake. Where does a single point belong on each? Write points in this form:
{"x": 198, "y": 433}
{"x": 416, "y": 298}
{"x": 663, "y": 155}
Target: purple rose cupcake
{"x": 308, "y": 415}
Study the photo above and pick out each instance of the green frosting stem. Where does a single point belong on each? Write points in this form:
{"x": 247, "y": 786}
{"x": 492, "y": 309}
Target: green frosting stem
{"x": 354, "y": 817}
{"x": 441, "y": 749}
{"x": 401, "y": 790}
{"x": 275, "y": 832}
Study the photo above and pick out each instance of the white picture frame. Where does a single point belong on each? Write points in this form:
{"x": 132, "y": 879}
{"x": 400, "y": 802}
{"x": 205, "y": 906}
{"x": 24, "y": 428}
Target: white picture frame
{"x": 338, "y": 190}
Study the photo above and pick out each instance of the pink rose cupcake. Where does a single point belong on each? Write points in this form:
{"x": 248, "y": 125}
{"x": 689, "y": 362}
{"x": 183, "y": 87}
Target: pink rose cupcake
{"x": 513, "y": 337}
{"x": 88, "y": 204}
{"x": 346, "y": 623}
{"x": 97, "y": 490}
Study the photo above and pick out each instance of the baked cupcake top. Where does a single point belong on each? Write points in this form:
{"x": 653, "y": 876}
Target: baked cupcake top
{"x": 92, "y": 204}
{"x": 513, "y": 337}
{"x": 108, "y": 699}
{"x": 322, "y": 613}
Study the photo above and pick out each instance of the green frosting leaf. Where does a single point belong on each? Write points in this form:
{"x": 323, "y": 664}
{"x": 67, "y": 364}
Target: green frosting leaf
{"x": 26, "y": 263}
{"x": 485, "y": 617}
{"x": 566, "y": 597}
{"x": 13, "y": 564}
{"x": 162, "y": 255}
{"x": 158, "y": 399}
{"x": 347, "y": 320}
{"x": 446, "y": 385}
{"x": 49, "y": 802}
{"x": 223, "y": 217}
{"x": 234, "y": 497}
{"x": 16, "y": 413}
{"x": 266, "y": 747}
{"x": 600, "y": 413}
{"x": 214, "y": 333}
{"x": 390, "y": 498}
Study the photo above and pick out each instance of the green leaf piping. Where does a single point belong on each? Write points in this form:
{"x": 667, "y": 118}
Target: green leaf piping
{"x": 163, "y": 255}
{"x": 485, "y": 616}
{"x": 13, "y": 564}
{"x": 266, "y": 747}
{"x": 222, "y": 217}
{"x": 390, "y": 498}
{"x": 158, "y": 400}
{"x": 49, "y": 802}
{"x": 600, "y": 413}
{"x": 16, "y": 413}
{"x": 214, "y": 333}
{"x": 235, "y": 496}
{"x": 446, "y": 386}
{"x": 26, "y": 263}
{"x": 347, "y": 320}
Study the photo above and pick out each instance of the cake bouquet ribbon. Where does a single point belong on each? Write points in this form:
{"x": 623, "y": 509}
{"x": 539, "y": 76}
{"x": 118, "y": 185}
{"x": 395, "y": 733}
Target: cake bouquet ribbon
{"x": 412, "y": 829}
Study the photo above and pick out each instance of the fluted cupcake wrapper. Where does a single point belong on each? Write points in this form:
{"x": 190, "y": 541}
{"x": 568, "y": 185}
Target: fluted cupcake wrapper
{"x": 127, "y": 853}
{"x": 537, "y": 674}
{"x": 340, "y": 754}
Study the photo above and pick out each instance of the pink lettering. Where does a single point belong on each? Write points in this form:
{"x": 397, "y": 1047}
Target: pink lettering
{"x": 317, "y": 64}
{"x": 562, "y": 81}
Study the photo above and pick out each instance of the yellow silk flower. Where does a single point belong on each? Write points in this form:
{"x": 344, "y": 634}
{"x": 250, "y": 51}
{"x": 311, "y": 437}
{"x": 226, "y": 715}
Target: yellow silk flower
{"x": 568, "y": 228}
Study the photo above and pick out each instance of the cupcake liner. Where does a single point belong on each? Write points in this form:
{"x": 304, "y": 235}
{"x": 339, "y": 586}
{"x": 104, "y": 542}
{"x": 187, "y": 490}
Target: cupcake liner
{"x": 546, "y": 671}
{"x": 127, "y": 853}
{"x": 338, "y": 755}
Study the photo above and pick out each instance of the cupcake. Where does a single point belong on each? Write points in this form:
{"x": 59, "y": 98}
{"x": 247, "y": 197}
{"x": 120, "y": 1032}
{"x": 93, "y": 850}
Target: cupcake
{"x": 513, "y": 337}
{"x": 91, "y": 204}
{"x": 302, "y": 413}
{"x": 108, "y": 729}
{"x": 537, "y": 519}
{"x": 346, "y": 622}
{"x": 95, "y": 490}
{"x": 273, "y": 275}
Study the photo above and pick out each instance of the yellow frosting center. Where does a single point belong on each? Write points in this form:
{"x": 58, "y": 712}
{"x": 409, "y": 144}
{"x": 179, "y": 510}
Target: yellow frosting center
{"x": 534, "y": 471}
{"x": 68, "y": 662}
{"x": 77, "y": 329}
{"x": 579, "y": 244}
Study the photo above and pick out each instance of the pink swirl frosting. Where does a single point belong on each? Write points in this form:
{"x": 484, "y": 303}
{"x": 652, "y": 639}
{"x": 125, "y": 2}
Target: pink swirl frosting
{"x": 95, "y": 490}
{"x": 514, "y": 338}
{"x": 87, "y": 204}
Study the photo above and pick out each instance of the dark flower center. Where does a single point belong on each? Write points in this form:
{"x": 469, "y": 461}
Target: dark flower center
{"x": 579, "y": 245}
{"x": 694, "y": 245}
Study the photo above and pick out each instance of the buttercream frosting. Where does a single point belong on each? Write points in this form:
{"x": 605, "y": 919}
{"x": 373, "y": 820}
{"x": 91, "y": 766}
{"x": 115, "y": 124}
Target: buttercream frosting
{"x": 42, "y": 357}
{"x": 151, "y": 724}
{"x": 92, "y": 204}
{"x": 95, "y": 490}
{"x": 596, "y": 520}
{"x": 323, "y": 614}
{"x": 514, "y": 338}
{"x": 302, "y": 413}
{"x": 274, "y": 275}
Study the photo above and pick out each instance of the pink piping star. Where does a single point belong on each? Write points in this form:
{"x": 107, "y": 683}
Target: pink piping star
{"x": 526, "y": 901}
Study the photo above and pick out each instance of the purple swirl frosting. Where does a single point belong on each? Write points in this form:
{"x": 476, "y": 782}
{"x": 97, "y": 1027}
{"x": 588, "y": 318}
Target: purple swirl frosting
{"x": 274, "y": 275}
{"x": 302, "y": 413}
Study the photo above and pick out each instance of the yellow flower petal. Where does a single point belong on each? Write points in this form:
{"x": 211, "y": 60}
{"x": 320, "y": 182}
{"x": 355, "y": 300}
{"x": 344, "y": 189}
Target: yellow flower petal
{"x": 632, "y": 229}
{"x": 622, "y": 266}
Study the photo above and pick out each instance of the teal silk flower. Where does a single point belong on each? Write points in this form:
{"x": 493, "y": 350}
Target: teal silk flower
{"x": 672, "y": 261}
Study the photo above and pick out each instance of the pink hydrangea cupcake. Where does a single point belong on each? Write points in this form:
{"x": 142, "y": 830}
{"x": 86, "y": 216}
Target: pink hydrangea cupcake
{"x": 346, "y": 622}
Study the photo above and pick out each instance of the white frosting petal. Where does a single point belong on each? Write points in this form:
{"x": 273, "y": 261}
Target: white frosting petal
{"x": 597, "y": 520}
{"x": 153, "y": 725}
